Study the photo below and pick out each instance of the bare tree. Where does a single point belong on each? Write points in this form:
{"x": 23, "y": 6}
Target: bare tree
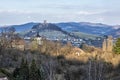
{"x": 49, "y": 66}
{"x": 95, "y": 68}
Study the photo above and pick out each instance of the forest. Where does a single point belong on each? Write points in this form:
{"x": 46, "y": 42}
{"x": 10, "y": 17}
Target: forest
{"x": 55, "y": 61}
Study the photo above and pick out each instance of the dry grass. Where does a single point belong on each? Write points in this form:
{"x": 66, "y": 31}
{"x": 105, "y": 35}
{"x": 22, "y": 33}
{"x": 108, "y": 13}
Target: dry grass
{"x": 98, "y": 54}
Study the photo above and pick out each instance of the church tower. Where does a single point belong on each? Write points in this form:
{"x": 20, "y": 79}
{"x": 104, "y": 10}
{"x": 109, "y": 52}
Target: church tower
{"x": 45, "y": 23}
{"x": 38, "y": 39}
{"x": 36, "y": 42}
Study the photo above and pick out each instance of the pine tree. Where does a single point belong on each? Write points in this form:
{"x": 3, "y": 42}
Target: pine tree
{"x": 28, "y": 73}
{"x": 22, "y": 73}
{"x": 117, "y": 46}
{"x": 34, "y": 72}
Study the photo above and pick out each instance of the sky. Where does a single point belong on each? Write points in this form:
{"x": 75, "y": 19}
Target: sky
{"x": 54, "y": 11}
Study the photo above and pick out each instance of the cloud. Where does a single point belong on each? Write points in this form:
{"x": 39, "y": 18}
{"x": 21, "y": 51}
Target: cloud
{"x": 90, "y": 12}
{"x": 21, "y": 16}
{"x": 13, "y": 11}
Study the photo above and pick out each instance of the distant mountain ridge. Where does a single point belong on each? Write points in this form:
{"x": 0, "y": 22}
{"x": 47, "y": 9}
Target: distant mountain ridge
{"x": 22, "y": 27}
{"x": 68, "y": 27}
{"x": 90, "y": 28}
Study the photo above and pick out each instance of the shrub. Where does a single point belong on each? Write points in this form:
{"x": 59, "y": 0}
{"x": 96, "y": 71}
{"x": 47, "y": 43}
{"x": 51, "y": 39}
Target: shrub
{"x": 116, "y": 48}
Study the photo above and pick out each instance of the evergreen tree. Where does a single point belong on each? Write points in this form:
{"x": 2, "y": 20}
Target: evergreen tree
{"x": 16, "y": 74}
{"x": 22, "y": 73}
{"x": 28, "y": 73}
{"x": 117, "y": 46}
{"x": 34, "y": 72}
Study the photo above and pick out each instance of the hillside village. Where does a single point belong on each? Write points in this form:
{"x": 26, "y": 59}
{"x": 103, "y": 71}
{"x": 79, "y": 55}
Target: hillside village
{"x": 105, "y": 43}
{"x": 69, "y": 56}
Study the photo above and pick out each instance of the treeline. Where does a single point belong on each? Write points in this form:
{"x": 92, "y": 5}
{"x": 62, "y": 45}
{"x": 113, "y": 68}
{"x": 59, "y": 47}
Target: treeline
{"x": 34, "y": 65}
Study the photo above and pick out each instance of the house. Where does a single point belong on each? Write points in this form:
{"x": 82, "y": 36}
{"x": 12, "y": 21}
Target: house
{"x": 77, "y": 51}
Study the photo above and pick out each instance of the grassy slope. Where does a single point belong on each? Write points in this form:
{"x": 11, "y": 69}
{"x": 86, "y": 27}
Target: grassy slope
{"x": 85, "y": 35}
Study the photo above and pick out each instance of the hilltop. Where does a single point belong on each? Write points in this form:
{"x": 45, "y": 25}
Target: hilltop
{"x": 48, "y": 30}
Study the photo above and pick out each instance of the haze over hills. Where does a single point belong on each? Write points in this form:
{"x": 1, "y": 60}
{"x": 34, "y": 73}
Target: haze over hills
{"x": 115, "y": 33}
{"x": 91, "y": 28}
{"x": 70, "y": 27}
{"x": 21, "y": 27}
{"x": 86, "y": 27}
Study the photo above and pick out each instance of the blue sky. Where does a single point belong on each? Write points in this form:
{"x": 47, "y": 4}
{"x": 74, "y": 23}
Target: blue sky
{"x": 96, "y": 11}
